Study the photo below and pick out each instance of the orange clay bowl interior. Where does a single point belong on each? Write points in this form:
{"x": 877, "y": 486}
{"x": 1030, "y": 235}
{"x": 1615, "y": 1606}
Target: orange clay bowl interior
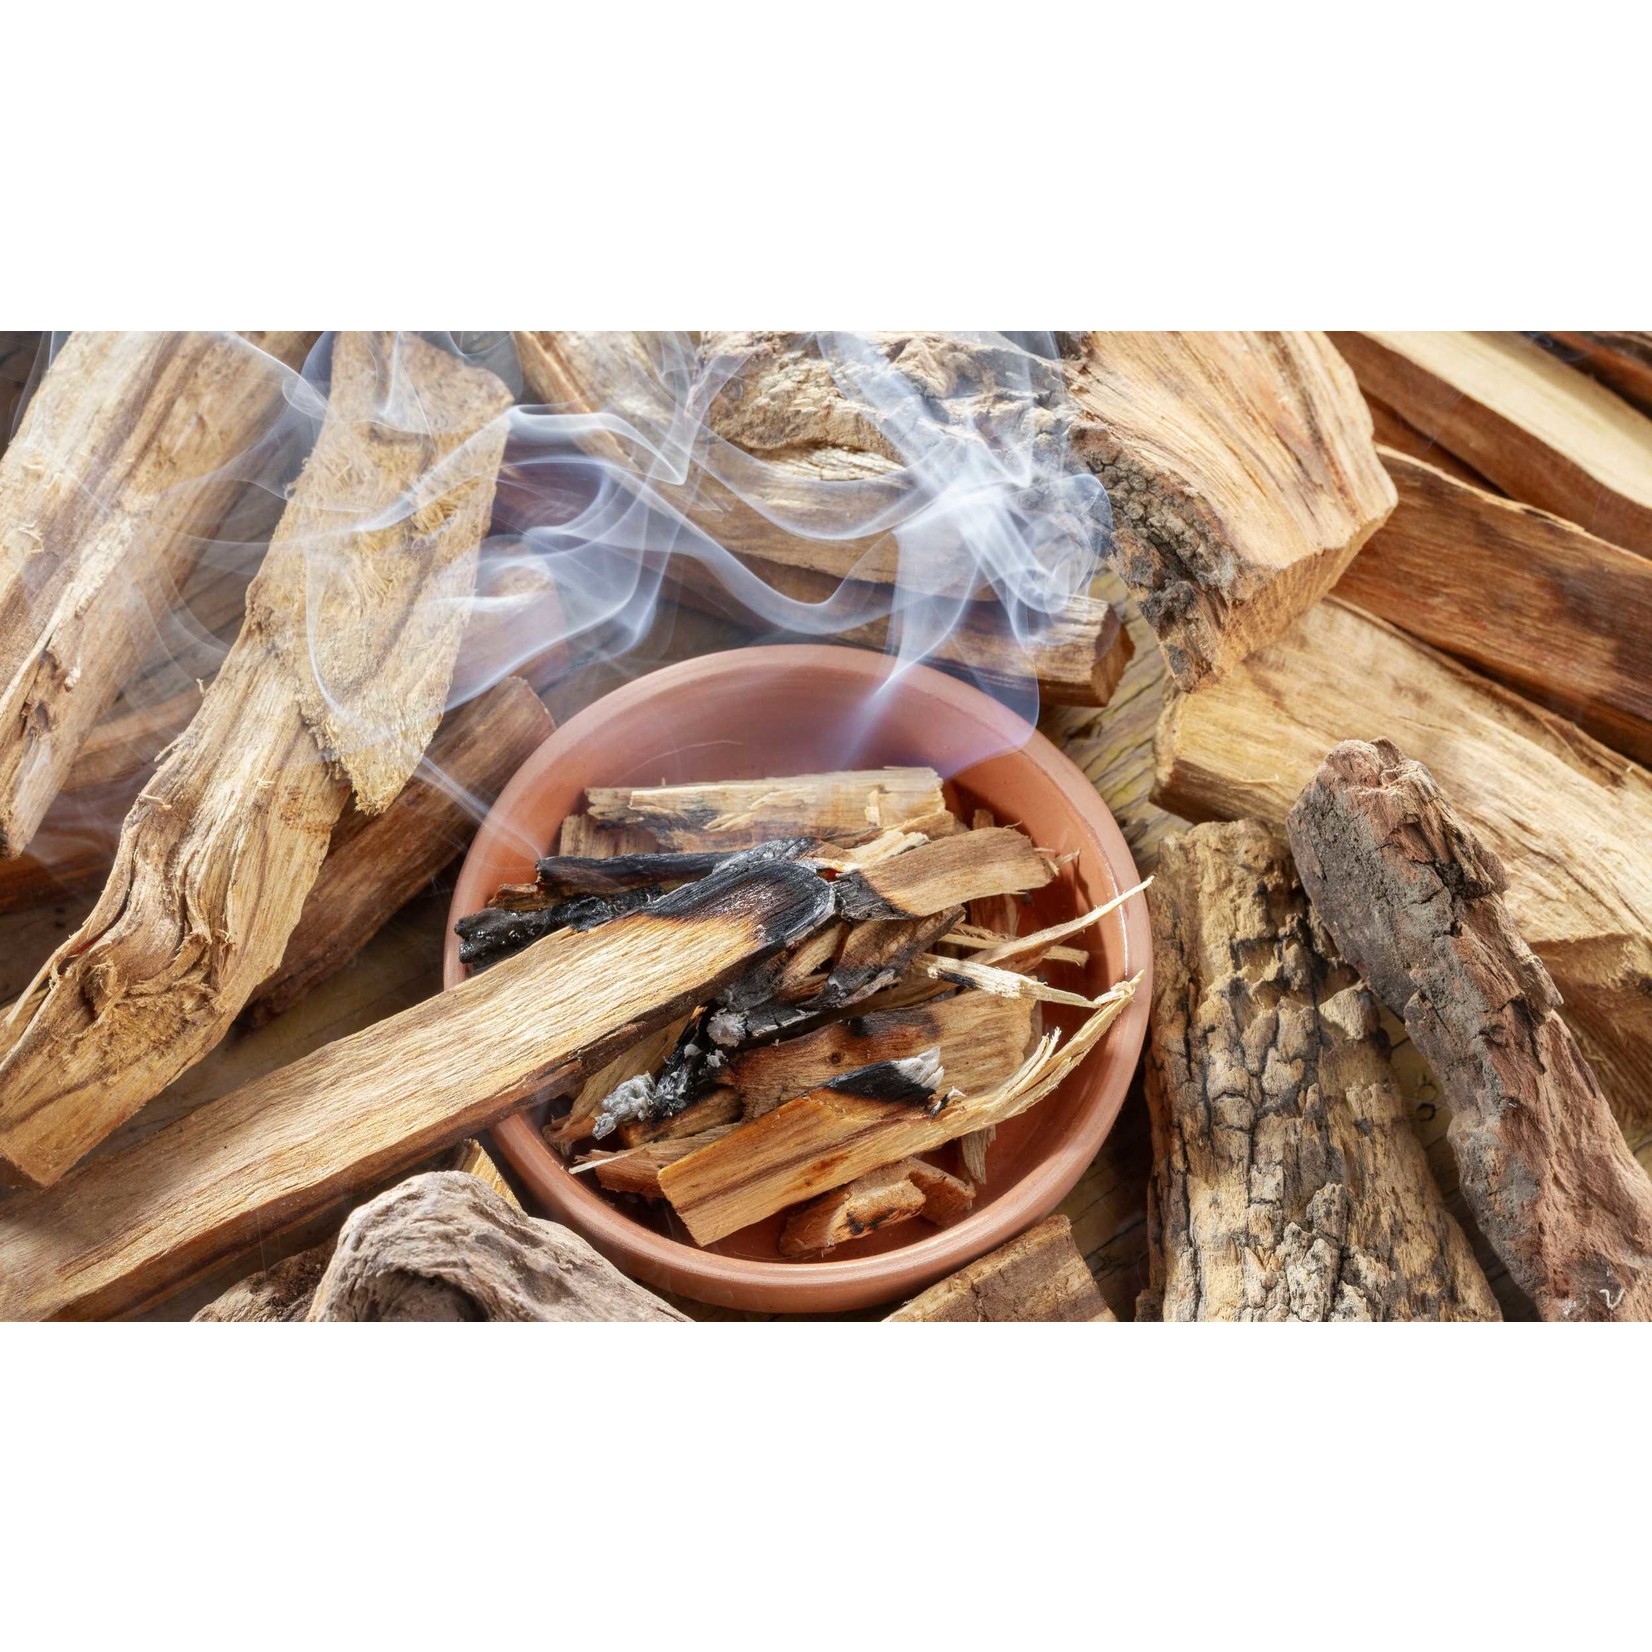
{"x": 808, "y": 709}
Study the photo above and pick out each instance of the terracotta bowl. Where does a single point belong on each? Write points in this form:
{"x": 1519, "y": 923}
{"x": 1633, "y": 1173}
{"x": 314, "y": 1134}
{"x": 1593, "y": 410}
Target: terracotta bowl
{"x": 805, "y": 709}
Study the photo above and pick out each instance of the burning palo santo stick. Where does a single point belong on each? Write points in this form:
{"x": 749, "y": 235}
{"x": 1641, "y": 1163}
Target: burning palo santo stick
{"x": 819, "y": 1141}
{"x": 225, "y": 841}
{"x": 131, "y": 1226}
{"x": 734, "y": 813}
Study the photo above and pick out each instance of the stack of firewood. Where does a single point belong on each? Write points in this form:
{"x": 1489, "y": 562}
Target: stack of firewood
{"x": 1461, "y": 588}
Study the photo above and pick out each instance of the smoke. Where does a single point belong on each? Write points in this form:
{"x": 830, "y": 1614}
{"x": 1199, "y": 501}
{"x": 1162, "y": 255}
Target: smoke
{"x": 814, "y": 483}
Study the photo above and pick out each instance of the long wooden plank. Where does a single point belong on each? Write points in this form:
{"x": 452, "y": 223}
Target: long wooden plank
{"x": 1571, "y": 820}
{"x": 225, "y": 841}
{"x": 1542, "y": 431}
{"x": 1526, "y": 597}
{"x": 123, "y": 463}
{"x": 125, "y": 1229}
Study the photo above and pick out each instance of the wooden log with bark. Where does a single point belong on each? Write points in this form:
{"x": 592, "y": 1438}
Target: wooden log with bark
{"x": 1414, "y": 899}
{"x": 129, "y": 1227}
{"x": 1242, "y": 477}
{"x": 1570, "y": 820}
{"x": 1527, "y": 598}
{"x": 1288, "y": 1183}
{"x": 377, "y": 863}
{"x": 376, "y": 547}
{"x": 446, "y": 1247}
{"x": 123, "y": 466}
{"x": 1038, "y": 1277}
{"x": 1542, "y": 431}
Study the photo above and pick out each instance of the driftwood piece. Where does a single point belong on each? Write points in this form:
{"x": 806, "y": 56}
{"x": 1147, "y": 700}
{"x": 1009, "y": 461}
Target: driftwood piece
{"x": 129, "y": 1227}
{"x": 880, "y": 1199}
{"x": 1527, "y": 598}
{"x": 1571, "y": 820}
{"x": 815, "y": 1142}
{"x": 278, "y": 1295}
{"x": 1414, "y": 899}
{"x": 124, "y": 464}
{"x": 1287, "y": 1180}
{"x": 1542, "y": 431}
{"x": 376, "y": 864}
{"x": 1038, "y": 1277}
{"x": 1242, "y": 477}
{"x": 1622, "y": 360}
{"x": 223, "y": 845}
{"x": 982, "y": 1041}
{"x": 446, "y": 1247}
{"x": 735, "y": 814}
{"x": 945, "y": 872}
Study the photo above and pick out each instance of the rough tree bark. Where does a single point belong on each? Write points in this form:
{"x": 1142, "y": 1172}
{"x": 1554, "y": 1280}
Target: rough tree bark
{"x": 223, "y": 844}
{"x": 1287, "y": 1181}
{"x": 1415, "y": 901}
{"x": 1571, "y": 820}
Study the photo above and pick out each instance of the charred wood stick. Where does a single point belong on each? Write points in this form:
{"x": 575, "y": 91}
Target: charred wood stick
{"x": 1287, "y": 1181}
{"x": 983, "y": 1041}
{"x": 1570, "y": 820}
{"x": 376, "y": 864}
{"x": 1542, "y": 431}
{"x": 128, "y": 1228}
{"x": 719, "y": 1106}
{"x": 1447, "y": 545}
{"x": 123, "y": 466}
{"x": 1414, "y": 899}
{"x": 880, "y": 1199}
{"x": 638, "y": 1058}
{"x": 944, "y": 873}
{"x": 811, "y": 1144}
{"x": 596, "y": 875}
{"x": 223, "y": 845}
{"x": 876, "y": 953}
{"x": 734, "y": 814}
{"x": 495, "y": 933}
{"x": 1038, "y": 1277}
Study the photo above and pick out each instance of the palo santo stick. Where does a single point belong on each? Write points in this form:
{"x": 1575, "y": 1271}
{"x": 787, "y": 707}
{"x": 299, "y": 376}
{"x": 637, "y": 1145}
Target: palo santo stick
{"x": 1414, "y": 900}
{"x": 637, "y": 1169}
{"x": 880, "y": 1199}
{"x": 1542, "y": 431}
{"x": 1001, "y": 983}
{"x": 877, "y": 953}
{"x": 581, "y": 837}
{"x": 1448, "y": 545}
{"x": 127, "y": 1228}
{"x": 982, "y": 1042}
{"x": 945, "y": 872}
{"x": 224, "y": 843}
{"x": 1622, "y": 360}
{"x": 1042, "y": 941}
{"x": 1039, "y": 1277}
{"x": 719, "y": 1106}
{"x": 733, "y": 814}
{"x": 123, "y": 466}
{"x": 812, "y": 1143}
{"x": 968, "y": 939}
{"x": 375, "y": 865}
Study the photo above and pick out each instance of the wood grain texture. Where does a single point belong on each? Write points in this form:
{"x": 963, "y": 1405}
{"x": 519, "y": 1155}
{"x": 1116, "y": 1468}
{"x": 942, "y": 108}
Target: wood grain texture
{"x": 222, "y": 846}
{"x": 1038, "y": 1277}
{"x": 125, "y": 462}
{"x": 376, "y": 863}
{"x": 1415, "y": 901}
{"x": 128, "y": 1228}
{"x": 1287, "y": 1182}
{"x": 1542, "y": 431}
{"x": 1242, "y": 477}
{"x": 1622, "y": 360}
{"x": 1570, "y": 820}
{"x": 1523, "y": 596}
{"x": 446, "y": 1247}
{"x": 880, "y": 1199}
